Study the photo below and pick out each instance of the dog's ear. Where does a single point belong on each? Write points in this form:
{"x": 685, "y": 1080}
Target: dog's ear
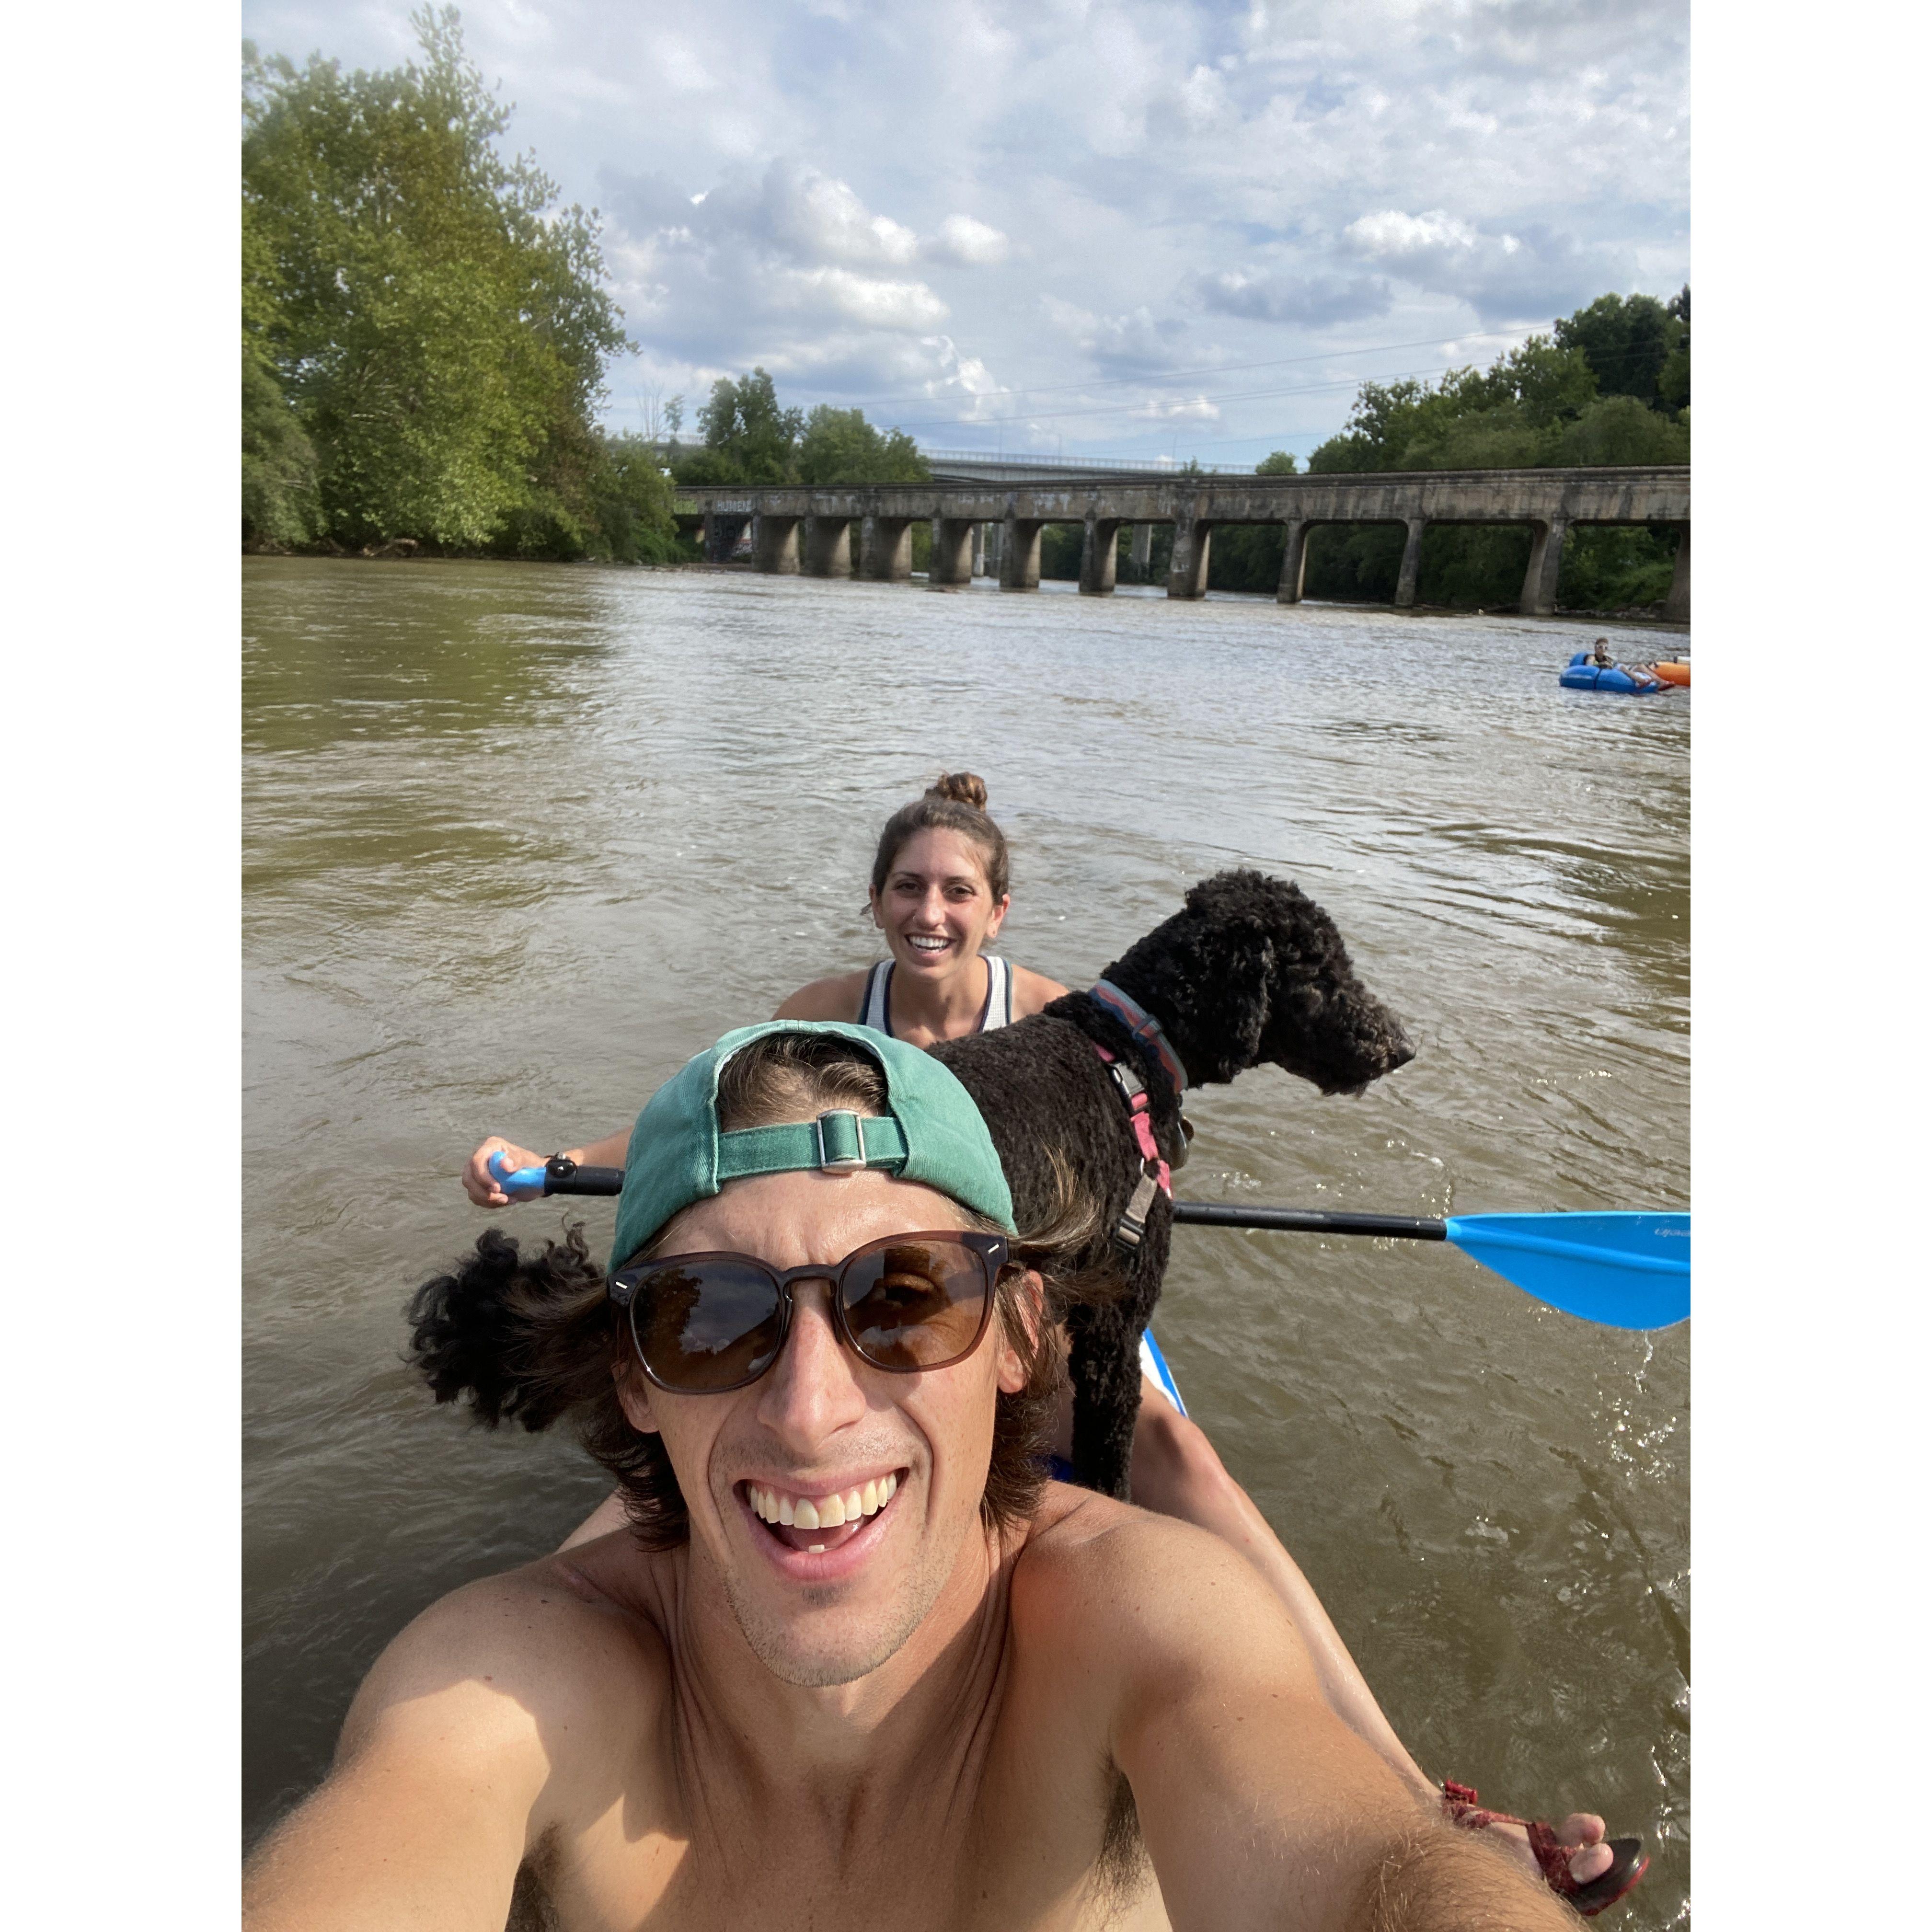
{"x": 1247, "y": 992}
{"x": 1230, "y": 969}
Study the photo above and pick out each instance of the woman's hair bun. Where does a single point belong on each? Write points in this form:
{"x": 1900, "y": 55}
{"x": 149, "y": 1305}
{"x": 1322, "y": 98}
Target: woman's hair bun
{"x": 962, "y": 787}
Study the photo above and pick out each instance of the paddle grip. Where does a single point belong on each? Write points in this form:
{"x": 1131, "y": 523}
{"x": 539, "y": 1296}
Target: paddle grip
{"x": 556, "y": 1176}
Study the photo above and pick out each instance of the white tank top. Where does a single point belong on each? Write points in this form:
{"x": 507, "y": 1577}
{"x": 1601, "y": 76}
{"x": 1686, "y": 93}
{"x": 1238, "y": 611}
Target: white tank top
{"x": 874, "y": 1008}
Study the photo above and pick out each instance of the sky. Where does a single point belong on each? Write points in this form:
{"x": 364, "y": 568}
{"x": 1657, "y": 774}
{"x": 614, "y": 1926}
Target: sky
{"x": 1129, "y": 228}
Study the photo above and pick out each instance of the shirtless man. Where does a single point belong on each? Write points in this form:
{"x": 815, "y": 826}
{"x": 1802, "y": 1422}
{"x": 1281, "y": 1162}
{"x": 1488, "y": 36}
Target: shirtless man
{"x": 854, "y": 1664}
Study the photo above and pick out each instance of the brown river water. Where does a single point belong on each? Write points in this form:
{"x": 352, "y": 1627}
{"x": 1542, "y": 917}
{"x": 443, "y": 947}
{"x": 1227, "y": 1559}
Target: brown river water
{"x": 520, "y": 839}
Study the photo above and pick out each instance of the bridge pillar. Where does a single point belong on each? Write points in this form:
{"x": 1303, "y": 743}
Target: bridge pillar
{"x": 1294, "y": 562}
{"x": 885, "y": 549}
{"x": 722, "y": 534}
{"x": 828, "y": 547}
{"x": 1099, "y": 554}
{"x": 995, "y": 550}
{"x": 1140, "y": 550}
{"x": 952, "y": 565}
{"x": 775, "y": 544}
{"x": 1187, "y": 574}
{"x": 1677, "y": 605}
{"x": 1019, "y": 552}
{"x": 1546, "y": 559}
{"x": 979, "y": 550}
{"x": 1412, "y": 564}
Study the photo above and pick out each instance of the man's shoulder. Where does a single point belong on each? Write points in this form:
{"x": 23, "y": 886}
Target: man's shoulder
{"x": 1093, "y": 1569}
{"x": 513, "y": 1658}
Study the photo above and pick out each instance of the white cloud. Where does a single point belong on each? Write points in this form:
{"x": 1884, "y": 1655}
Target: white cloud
{"x": 1267, "y": 294}
{"x": 1393, "y": 233}
{"x": 1503, "y": 277}
{"x": 819, "y": 219}
{"x": 866, "y": 298}
{"x": 962, "y": 239}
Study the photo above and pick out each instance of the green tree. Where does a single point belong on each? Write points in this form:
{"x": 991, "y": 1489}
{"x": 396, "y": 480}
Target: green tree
{"x": 1673, "y": 379}
{"x": 439, "y": 325}
{"x": 1621, "y": 429}
{"x": 1628, "y": 341}
{"x": 841, "y": 446}
{"x": 1277, "y": 462}
{"x": 279, "y": 506}
{"x": 751, "y": 439}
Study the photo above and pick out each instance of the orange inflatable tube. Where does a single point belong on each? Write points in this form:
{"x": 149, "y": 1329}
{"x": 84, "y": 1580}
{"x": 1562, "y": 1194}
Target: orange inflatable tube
{"x": 1677, "y": 672}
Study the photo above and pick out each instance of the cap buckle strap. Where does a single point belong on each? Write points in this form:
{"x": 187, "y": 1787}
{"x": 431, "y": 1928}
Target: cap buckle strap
{"x": 841, "y": 1150}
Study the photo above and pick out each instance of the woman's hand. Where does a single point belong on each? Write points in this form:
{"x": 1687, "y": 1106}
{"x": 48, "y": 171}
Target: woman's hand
{"x": 476, "y": 1181}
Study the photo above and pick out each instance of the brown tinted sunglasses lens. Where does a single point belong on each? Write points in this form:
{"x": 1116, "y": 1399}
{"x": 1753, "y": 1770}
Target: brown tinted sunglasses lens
{"x": 703, "y": 1328}
{"x": 915, "y": 1304}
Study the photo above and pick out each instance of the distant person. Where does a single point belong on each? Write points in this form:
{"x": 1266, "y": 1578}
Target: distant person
{"x": 855, "y": 1661}
{"x": 1599, "y": 655}
{"x": 939, "y": 894}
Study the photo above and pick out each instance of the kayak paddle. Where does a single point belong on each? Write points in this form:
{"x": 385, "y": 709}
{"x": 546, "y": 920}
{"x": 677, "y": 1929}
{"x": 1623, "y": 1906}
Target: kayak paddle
{"x": 1623, "y": 1270}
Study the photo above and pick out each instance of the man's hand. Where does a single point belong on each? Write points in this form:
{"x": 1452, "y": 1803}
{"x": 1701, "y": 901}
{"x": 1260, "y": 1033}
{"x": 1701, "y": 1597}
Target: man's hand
{"x": 476, "y": 1181}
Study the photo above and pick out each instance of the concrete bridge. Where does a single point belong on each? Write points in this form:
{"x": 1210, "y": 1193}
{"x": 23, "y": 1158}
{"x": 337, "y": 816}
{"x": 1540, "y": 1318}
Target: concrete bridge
{"x": 994, "y": 526}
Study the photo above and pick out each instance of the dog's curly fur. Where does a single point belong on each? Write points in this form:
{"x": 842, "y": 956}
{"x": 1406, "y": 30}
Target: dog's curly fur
{"x": 1250, "y": 970}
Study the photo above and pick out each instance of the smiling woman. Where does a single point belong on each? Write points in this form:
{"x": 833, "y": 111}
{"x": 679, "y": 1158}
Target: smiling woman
{"x": 939, "y": 894}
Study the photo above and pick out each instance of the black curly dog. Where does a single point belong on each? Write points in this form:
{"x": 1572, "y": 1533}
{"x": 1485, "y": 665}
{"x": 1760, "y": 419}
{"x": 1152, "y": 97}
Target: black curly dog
{"x": 1250, "y": 970}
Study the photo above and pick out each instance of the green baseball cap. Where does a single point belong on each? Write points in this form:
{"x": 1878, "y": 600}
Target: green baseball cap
{"x": 931, "y": 1132}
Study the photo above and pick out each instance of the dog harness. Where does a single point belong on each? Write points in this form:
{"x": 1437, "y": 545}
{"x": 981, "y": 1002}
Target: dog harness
{"x": 1131, "y": 1228}
{"x": 1156, "y": 1176}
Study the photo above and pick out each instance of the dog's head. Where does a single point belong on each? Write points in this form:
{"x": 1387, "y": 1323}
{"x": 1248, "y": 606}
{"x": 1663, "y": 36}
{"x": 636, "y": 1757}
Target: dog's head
{"x": 1251, "y": 969}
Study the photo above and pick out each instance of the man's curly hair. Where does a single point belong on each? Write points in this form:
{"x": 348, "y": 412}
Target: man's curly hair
{"x": 535, "y": 1339}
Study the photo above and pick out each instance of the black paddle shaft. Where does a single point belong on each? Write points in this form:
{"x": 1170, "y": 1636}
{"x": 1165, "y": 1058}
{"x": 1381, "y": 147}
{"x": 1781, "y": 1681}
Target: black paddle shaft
{"x": 1306, "y": 1221}
{"x": 564, "y": 1177}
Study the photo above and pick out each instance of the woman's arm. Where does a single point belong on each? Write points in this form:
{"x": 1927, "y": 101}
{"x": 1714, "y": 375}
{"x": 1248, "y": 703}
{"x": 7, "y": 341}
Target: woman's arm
{"x": 478, "y": 1184}
{"x": 1032, "y": 991}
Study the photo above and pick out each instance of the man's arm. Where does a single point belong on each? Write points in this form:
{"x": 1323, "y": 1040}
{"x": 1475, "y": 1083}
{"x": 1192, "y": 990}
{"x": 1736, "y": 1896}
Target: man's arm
{"x": 1258, "y": 1805}
{"x": 445, "y": 1776}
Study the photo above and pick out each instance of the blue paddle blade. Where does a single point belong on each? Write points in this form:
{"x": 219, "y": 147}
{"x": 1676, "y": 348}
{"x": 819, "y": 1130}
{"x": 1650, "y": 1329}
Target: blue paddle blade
{"x": 1625, "y": 1270}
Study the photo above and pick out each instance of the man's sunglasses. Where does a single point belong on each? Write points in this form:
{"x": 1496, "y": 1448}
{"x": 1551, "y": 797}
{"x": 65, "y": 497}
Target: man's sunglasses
{"x": 706, "y": 1324}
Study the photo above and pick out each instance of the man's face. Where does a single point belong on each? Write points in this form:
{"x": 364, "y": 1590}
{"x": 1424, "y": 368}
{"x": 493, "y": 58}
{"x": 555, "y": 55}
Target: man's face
{"x": 820, "y": 1423}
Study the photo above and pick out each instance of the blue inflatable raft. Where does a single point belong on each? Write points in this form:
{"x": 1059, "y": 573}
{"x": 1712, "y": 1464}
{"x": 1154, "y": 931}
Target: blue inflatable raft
{"x": 1581, "y": 673}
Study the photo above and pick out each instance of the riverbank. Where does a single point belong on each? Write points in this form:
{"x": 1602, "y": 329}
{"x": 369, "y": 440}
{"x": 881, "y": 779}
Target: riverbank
{"x": 405, "y": 550}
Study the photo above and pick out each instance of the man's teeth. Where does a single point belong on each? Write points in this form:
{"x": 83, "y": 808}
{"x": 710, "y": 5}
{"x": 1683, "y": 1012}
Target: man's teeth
{"x": 828, "y": 1512}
